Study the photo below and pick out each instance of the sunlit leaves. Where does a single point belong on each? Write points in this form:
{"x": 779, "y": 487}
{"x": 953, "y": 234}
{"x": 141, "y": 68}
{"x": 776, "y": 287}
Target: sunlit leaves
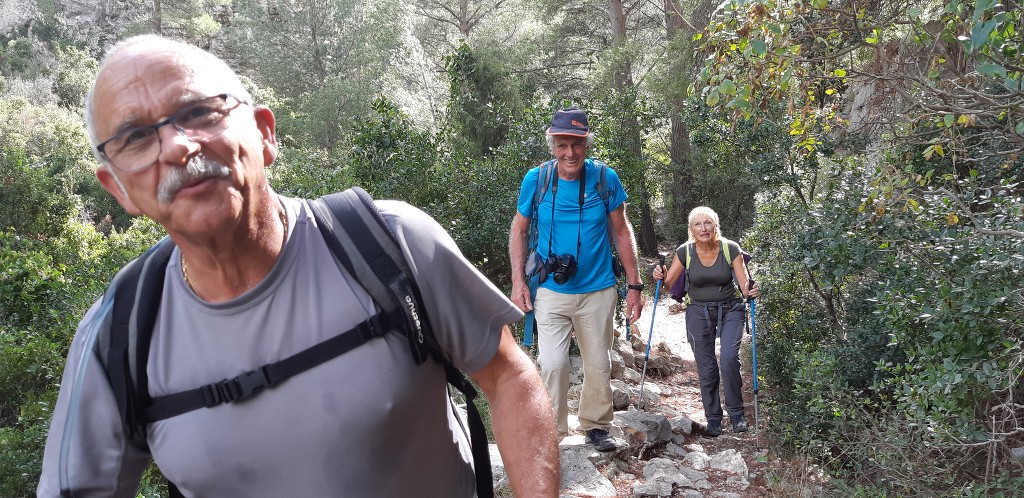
{"x": 727, "y": 87}
{"x": 753, "y": 64}
{"x": 874, "y": 37}
{"x": 933, "y": 149}
{"x": 713, "y": 98}
{"x": 822, "y": 61}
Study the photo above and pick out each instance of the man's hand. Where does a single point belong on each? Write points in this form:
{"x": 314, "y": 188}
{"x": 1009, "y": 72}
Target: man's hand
{"x": 521, "y": 296}
{"x": 634, "y": 305}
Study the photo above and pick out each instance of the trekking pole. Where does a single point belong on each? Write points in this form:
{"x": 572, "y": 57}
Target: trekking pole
{"x": 650, "y": 335}
{"x": 622, "y": 295}
{"x": 753, "y": 357}
{"x": 530, "y": 324}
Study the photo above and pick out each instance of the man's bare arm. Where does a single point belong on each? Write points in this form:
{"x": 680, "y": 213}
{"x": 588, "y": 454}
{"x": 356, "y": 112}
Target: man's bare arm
{"x": 517, "y": 256}
{"x": 523, "y": 424}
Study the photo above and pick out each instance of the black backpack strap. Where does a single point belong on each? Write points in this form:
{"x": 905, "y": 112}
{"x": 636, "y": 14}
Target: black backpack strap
{"x": 387, "y": 277}
{"x": 602, "y": 183}
{"x": 173, "y": 491}
{"x": 251, "y": 383}
{"x": 140, "y": 282}
{"x": 543, "y": 181}
{"x": 383, "y": 271}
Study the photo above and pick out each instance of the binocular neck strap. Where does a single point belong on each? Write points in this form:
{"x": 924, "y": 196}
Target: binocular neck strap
{"x": 554, "y": 196}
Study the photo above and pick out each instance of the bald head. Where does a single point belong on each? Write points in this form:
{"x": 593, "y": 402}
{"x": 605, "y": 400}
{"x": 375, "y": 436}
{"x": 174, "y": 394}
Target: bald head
{"x": 130, "y": 55}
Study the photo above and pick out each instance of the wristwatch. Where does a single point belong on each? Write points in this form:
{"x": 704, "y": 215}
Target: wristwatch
{"x": 638, "y": 287}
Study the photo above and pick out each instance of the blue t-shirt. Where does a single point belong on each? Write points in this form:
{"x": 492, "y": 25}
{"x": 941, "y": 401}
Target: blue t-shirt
{"x": 594, "y": 270}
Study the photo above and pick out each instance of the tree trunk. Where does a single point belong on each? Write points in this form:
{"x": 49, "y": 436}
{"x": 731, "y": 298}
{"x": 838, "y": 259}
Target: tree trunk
{"x": 623, "y": 73}
{"x": 679, "y": 146}
{"x": 464, "y": 26}
{"x": 647, "y": 239}
{"x": 681, "y": 198}
{"x": 157, "y": 18}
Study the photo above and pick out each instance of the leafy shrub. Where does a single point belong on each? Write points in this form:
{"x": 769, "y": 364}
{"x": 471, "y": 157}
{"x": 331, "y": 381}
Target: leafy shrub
{"x": 892, "y": 336}
{"x": 392, "y": 159}
{"x": 75, "y": 72}
{"x": 307, "y": 173}
{"x": 33, "y": 199}
{"x": 21, "y": 459}
{"x": 46, "y": 285}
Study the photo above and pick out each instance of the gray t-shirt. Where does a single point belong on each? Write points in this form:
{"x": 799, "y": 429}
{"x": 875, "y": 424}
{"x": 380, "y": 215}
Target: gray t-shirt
{"x": 367, "y": 423}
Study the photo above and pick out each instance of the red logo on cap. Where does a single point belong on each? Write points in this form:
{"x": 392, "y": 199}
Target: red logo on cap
{"x": 577, "y": 123}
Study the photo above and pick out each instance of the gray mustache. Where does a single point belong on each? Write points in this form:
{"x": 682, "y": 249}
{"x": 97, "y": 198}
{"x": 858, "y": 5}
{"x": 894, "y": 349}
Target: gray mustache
{"x": 198, "y": 168}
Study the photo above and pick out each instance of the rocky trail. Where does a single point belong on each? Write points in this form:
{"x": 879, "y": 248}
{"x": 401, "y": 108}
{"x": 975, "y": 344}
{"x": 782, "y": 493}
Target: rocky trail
{"x": 662, "y": 450}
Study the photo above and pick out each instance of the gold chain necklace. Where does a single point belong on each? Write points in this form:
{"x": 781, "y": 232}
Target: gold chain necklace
{"x": 184, "y": 265}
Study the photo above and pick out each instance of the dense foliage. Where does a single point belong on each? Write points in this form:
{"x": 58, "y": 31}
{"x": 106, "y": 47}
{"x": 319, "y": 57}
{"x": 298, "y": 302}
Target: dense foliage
{"x": 894, "y": 317}
{"x": 869, "y": 155}
{"x": 46, "y": 285}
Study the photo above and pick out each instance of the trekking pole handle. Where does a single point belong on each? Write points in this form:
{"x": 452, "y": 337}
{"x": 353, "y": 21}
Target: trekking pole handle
{"x": 661, "y": 264}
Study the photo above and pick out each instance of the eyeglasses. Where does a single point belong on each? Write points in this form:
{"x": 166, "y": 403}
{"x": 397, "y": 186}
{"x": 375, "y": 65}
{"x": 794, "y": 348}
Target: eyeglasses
{"x": 138, "y": 148}
{"x": 708, "y": 224}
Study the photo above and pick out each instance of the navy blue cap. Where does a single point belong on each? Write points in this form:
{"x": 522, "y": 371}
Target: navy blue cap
{"x": 570, "y": 121}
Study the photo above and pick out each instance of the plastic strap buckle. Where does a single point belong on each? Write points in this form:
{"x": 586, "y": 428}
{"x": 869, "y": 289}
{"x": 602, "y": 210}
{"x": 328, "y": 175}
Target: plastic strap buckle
{"x": 236, "y": 389}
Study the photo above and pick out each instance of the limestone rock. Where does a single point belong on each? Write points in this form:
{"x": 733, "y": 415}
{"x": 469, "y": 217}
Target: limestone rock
{"x": 730, "y": 461}
{"x": 579, "y": 475}
{"x": 640, "y": 427}
{"x": 682, "y": 425}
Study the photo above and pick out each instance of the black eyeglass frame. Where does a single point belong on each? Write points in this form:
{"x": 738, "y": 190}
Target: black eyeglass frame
{"x": 169, "y": 121}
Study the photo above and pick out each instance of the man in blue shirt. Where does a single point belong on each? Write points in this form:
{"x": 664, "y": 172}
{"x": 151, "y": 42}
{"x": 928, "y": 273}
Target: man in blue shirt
{"x": 576, "y": 297}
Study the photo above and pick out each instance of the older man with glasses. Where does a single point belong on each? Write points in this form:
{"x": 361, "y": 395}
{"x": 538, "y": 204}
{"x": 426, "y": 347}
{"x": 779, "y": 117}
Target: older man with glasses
{"x": 252, "y": 280}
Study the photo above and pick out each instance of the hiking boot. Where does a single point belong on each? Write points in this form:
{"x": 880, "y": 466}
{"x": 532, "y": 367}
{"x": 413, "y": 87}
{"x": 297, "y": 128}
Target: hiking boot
{"x": 739, "y": 424}
{"x": 600, "y": 439}
{"x": 714, "y": 428}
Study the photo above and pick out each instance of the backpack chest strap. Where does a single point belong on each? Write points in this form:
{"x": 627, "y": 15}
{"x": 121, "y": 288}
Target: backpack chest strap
{"x": 253, "y": 382}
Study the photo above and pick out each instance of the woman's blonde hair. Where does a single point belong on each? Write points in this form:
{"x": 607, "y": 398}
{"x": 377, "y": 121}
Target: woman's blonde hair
{"x": 701, "y": 213}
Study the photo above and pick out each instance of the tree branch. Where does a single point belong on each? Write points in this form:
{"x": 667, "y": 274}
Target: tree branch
{"x": 974, "y": 221}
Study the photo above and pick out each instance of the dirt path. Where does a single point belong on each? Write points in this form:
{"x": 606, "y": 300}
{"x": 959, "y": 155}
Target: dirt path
{"x": 684, "y": 398}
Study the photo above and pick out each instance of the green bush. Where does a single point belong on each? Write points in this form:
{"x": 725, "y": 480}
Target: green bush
{"x": 891, "y": 332}
{"x": 34, "y": 203}
{"x": 46, "y": 286}
{"x": 307, "y": 174}
{"x": 391, "y": 159}
{"x": 21, "y": 459}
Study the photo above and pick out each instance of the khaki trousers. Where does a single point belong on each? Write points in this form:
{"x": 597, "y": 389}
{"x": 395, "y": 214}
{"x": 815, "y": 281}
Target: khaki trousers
{"x": 589, "y": 316}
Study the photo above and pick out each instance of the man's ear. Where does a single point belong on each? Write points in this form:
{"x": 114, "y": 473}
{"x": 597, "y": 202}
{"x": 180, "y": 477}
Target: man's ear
{"x": 265, "y": 123}
{"x": 111, "y": 183}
